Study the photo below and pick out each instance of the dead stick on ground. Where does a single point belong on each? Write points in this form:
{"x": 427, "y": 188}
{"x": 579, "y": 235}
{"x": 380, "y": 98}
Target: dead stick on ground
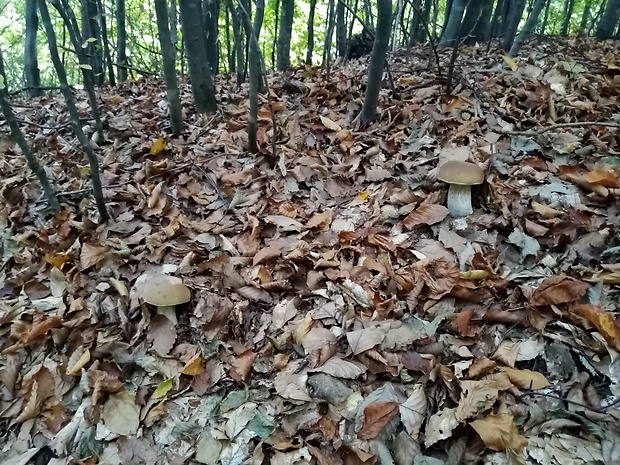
{"x": 559, "y": 126}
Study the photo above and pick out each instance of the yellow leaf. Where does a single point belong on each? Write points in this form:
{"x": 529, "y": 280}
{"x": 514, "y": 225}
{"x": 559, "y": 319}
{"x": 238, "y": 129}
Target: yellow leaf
{"x": 58, "y": 259}
{"x": 120, "y": 287}
{"x": 304, "y": 328}
{"x": 474, "y": 275}
{"x": 158, "y": 146}
{"x": 362, "y": 196}
{"x": 163, "y": 388}
{"x": 510, "y": 62}
{"x": 77, "y": 361}
{"x": 194, "y": 366}
{"x": 84, "y": 171}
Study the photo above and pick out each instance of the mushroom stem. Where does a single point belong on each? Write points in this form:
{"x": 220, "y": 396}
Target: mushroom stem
{"x": 169, "y": 312}
{"x": 459, "y": 201}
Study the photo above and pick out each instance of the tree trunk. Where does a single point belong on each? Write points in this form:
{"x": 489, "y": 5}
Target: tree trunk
{"x": 91, "y": 33}
{"x": 327, "y": 49}
{"x": 397, "y": 20}
{"x": 368, "y": 18}
{"x": 274, "y": 47}
{"x": 68, "y": 17}
{"x": 568, "y": 12}
{"x": 73, "y": 111}
{"x": 238, "y": 42}
{"x": 106, "y": 45}
{"x": 341, "y": 29}
{"x": 448, "y": 37}
{"x": 169, "y": 67}
{"x": 528, "y": 27}
{"x": 121, "y": 41}
{"x": 284, "y": 36}
{"x": 446, "y": 17}
{"x": 482, "y": 29}
{"x": 585, "y": 17}
{"x": 377, "y": 60}
{"x": 197, "y": 58}
{"x": 211, "y": 14}
{"x": 609, "y": 19}
{"x": 31, "y": 64}
{"x": 543, "y": 26}
{"x": 310, "y": 50}
{"x": 174, "y": 26}
{"x": 513, "y": 18}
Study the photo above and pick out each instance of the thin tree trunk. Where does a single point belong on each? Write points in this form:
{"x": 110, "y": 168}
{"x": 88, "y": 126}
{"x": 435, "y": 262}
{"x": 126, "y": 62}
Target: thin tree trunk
{"x": 197, "y": 57}
{"x": 377, "y": 60}
{"x": 73, "y": 111}
{"x": 238, "y": 41}
{"x": 77, "y": 40}
{"x": 368, "y": 18}
{"x": 169, "y": 67}
{"x": 211, "y": 10}
{"x": 327, "y": 49}
{"x": 446, "y": 18}
{"x": 31, "y": 64}
{"x": 397, "y": 19}
{"x": 528, "y": 27}
{"x": 448, "y": 37}
{"x": 174, "y": 27}
{"x": 341, "y": 29}
{"x": 514, "y": 18}
{"x": 310, "y": 50}
{"x": 106, "y": 45}
{"x": 568, "y": 12}
{"x": 284, "y": 35}
{"x": 274, "y": 48}
{"x": 121, "y": 41}
{"x": 543, "y": 26}
{"x": 350, "y": 34}
{"x": 585, "y": 17}
{"x": 18, "y": 135}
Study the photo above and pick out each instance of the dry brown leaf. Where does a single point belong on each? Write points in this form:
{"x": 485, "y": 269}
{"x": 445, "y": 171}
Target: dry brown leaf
{"x": 320, "y": 221}
{"x": 91, "y": 255}
{"x": 79, "y": 358}
{"x": 376, "y": 416}
{"x": 526, "y": 379}
{"x": 499, "y": 433}
{"x": 41, "y": 325}
{"x": 425, "y": 215}
{"x": 558, "y": 290}
{"x": 242, "y": 366}
{"x": 604, "y": 322}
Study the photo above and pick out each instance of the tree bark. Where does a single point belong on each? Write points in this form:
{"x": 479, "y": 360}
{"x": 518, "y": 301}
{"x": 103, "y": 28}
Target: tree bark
{"x": 513, "y": 18}
{"x": 448, "y": 37}
{"x": 121, "y": 41}
{"x": 238, "y": 42}
{"x": 284, "y": 36}
{"x": 341, "y": 29}
{"x": 609, "y": 20}
{"x": 528, "y": 27}
{"x": 568, "y": 12}
{"x": 31, "y": 63}
{"x": 73, "y": 111}
{"x": 327, "y": 49}
{"x": 310, "y": 49}
{"x": 211, "y": 13}
{"x": 585, "y": 17}
{"x": 106, "y": 45}
{"x": 197, "y": 58}
{"x": 169, "y": 67}
{"x": 377, "y": 60}
{"x": 174, "y": 27}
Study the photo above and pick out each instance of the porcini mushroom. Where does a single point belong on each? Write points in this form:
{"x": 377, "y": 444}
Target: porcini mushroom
{"x": 165, "y": 292}
{"x": 461, "y": 175}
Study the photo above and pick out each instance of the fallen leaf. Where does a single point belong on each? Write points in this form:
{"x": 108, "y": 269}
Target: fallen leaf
{"x": 557, "y": 290}
{"x": 376, "y": 416}
{"x": 499, "y": 433}
{"x": 425, "y": 215}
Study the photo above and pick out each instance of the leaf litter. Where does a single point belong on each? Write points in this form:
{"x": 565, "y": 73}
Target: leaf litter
{"x": 338, "y": 314}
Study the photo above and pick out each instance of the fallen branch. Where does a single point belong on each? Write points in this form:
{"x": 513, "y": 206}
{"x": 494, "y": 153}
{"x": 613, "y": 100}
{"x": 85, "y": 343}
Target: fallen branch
{"x": 560, "y": 126}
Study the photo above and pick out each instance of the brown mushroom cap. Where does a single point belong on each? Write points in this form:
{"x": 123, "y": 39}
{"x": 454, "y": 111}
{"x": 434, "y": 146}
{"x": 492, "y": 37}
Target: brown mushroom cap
{"x": 461, "y": 173}
{"x": 163, "y": 290}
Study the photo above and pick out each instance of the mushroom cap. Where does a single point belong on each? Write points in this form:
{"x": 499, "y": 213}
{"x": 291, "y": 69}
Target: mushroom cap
{"x": 461, "y": 173}
{"x": 163, "y": 290}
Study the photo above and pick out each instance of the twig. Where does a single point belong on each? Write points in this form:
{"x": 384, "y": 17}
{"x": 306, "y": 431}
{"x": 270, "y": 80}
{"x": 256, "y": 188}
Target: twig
{"x": 579, "y": 404}
{"x": 559, "y": 126}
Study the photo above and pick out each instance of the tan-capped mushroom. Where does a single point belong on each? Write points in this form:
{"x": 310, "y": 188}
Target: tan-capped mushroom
{"x": 165, "y": 292}
{"x": 461, "y": 175}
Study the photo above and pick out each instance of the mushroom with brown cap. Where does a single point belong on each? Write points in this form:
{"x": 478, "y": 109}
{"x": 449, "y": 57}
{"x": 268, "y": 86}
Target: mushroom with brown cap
{"x": 165, "y": 292}
{"x": 461, "y": 176}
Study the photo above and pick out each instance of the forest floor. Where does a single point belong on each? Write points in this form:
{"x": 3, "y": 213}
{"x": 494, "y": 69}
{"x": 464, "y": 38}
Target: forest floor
{"x": 338, "y": 314}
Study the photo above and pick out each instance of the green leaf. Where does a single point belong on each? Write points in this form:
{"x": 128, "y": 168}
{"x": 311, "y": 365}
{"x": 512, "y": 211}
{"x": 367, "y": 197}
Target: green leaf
{"x": 2, "y": 86}
{"x": 85, "y": 66}
{"x": 163, "y": 388}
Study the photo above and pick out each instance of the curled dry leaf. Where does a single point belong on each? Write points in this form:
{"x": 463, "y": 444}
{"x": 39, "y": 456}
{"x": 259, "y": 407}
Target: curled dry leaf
{"x": 425, "y": 215}
{"x": 499, "y": 432}
{"x": 604, "y": 322}
{"x": 79, "y": 358}
{"x": 558, "y": 290}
